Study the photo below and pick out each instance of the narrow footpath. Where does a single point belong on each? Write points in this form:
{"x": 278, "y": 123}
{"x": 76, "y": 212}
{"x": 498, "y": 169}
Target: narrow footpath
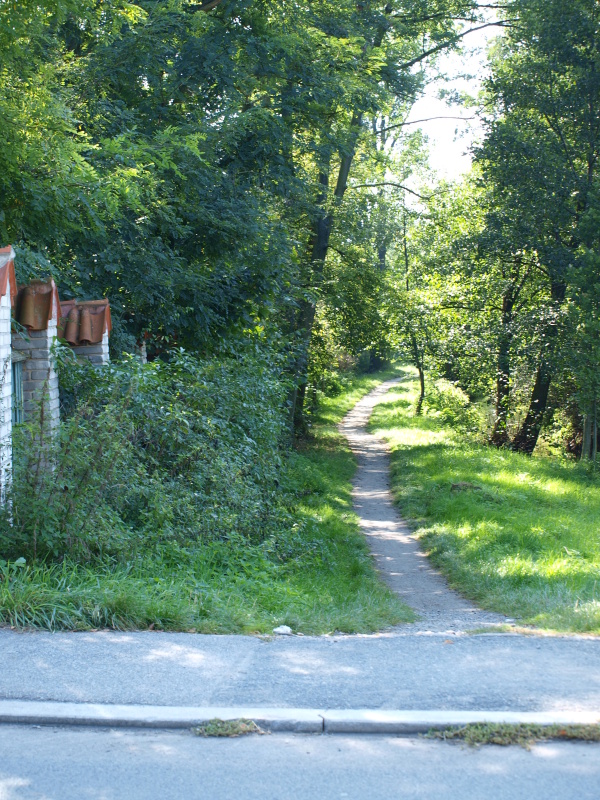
{"x": 401, "y": 562}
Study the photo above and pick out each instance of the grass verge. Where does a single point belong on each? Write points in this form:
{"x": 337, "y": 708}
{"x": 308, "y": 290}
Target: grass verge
{"x": 316, "y": 577}
{"x": 478, "y": 734}
{"x": 517, "y": 534}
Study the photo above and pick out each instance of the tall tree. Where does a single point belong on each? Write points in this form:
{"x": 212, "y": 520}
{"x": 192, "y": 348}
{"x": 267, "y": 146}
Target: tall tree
{"x": 540, "y": 158}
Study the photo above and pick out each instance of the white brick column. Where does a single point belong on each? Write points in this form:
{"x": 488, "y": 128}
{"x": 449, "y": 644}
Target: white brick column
{"x": 8, "y": 294}
{"x": 5, "y": 395}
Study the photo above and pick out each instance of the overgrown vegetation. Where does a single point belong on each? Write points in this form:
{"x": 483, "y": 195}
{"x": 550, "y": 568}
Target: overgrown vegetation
{"x": 172, "y": 507}
{"x": 517, "y": 534}
{"x": 165, "y": 454}
{"x": 493, "y": 280}
{"x": 478, "y": 734}
{"x": 191, "y": 161}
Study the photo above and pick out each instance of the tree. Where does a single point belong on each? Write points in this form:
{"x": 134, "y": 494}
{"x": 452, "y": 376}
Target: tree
{"x": 540, "y": 161}
{"x": 392, "y": 41}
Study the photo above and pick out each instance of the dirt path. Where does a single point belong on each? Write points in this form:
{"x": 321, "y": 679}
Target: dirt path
{"x": 402, "y": 563}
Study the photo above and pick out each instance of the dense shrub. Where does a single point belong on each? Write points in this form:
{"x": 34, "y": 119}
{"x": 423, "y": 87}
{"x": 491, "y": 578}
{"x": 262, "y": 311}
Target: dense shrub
{"x": 452, "y": 404}
{"x": 185, "y": 452}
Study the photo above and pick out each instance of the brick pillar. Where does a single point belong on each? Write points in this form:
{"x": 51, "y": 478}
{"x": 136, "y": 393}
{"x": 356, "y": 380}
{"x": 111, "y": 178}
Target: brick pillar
{"x": 96, "y": 353}
{"x": 8, "y": 294}
{"x": 85, "y": 325}
{"x": 40, "y": 379}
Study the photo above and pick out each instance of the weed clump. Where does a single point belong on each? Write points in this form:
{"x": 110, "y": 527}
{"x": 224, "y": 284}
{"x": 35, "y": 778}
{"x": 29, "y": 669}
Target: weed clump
{"x": 173, "y": 454}
{"x": 478, "y": 734}
{"x": 230, "y": 728}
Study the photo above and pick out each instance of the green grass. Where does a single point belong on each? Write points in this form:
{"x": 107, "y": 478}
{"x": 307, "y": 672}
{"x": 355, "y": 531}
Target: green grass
{"x": 316, "y": 577}
{"x": 525, "y": 543}
{"x": 478, "y": 734}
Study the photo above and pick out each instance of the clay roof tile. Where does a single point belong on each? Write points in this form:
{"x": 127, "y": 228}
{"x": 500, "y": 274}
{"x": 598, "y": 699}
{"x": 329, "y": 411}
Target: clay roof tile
{"x": 7, "y": 273}
{"x": 37, "y": 303}
{"x": 84, "y": 321}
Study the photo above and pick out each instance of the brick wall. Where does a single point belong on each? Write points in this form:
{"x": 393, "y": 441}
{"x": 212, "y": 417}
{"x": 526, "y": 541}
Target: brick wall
{"x": 40, "y": 379}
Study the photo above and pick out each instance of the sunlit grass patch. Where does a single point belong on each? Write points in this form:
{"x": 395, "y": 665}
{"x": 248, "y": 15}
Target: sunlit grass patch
{"x": 519, "y": 535}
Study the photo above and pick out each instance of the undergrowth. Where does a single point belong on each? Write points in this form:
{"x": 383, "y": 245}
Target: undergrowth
{"x": 517, "y": 534}
{"x": 225, "y": 532}
{"x": 182, "y": 452}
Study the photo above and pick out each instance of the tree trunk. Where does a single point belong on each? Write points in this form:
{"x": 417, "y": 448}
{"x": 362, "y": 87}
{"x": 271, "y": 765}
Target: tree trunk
{"x": 306, "y": 321}
{"x": 586, "y": 444}
{"x": 318, "y": 253}
{"x": 595, "y": 433}
{"x": 320, "y": 247}
{"x": 499, "y": 436}
{"x": 419, "y": 408}
{"x": 418, "y": 359}
{"x": 526, "y": 439}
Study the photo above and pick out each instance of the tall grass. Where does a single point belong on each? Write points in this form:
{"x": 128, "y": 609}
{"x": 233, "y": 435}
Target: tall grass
{"x": 519, "y": 535}
{"x": 314, "y": 574}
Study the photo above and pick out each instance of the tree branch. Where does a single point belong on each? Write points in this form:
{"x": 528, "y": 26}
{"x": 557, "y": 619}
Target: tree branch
{"x": 443, "y": 45}
{"x": 417, "y": 121}
{"x": 389, "y": 183}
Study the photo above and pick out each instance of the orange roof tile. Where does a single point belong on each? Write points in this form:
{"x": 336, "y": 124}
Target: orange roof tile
{"x": 84, "y": 321}
{"x": 37, "y": 302}
{"x": 7, "y": 273}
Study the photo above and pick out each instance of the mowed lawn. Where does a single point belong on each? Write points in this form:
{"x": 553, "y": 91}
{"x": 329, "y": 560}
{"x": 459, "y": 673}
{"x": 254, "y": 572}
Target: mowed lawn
{"x": 519, "y": 535}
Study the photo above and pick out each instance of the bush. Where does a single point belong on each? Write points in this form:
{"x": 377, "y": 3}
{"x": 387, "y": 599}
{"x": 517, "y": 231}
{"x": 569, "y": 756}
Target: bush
{"x": 452, "y": 405}
{"x": 184, "y": 452}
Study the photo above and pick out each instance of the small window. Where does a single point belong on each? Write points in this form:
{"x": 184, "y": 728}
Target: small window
{"x": 18, "y": 415}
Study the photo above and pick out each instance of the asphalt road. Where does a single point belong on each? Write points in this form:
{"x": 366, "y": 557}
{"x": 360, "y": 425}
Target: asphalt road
{"x": 489, "y": 672}
{"x": 62, "y": 764}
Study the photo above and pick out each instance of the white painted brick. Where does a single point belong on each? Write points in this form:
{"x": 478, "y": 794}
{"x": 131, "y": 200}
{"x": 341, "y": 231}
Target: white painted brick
{"x": 5, "y": 396}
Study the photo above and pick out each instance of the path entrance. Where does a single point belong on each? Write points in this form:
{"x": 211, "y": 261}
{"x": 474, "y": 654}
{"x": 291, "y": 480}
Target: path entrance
{"x": 402, "y": 563}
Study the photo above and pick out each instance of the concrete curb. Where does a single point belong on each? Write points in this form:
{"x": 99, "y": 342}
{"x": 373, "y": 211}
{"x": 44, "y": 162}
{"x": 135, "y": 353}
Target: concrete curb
{"x": 294, "y": 720}
{"x": 383, "y": 721}
{"x": 298, "y": 720}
